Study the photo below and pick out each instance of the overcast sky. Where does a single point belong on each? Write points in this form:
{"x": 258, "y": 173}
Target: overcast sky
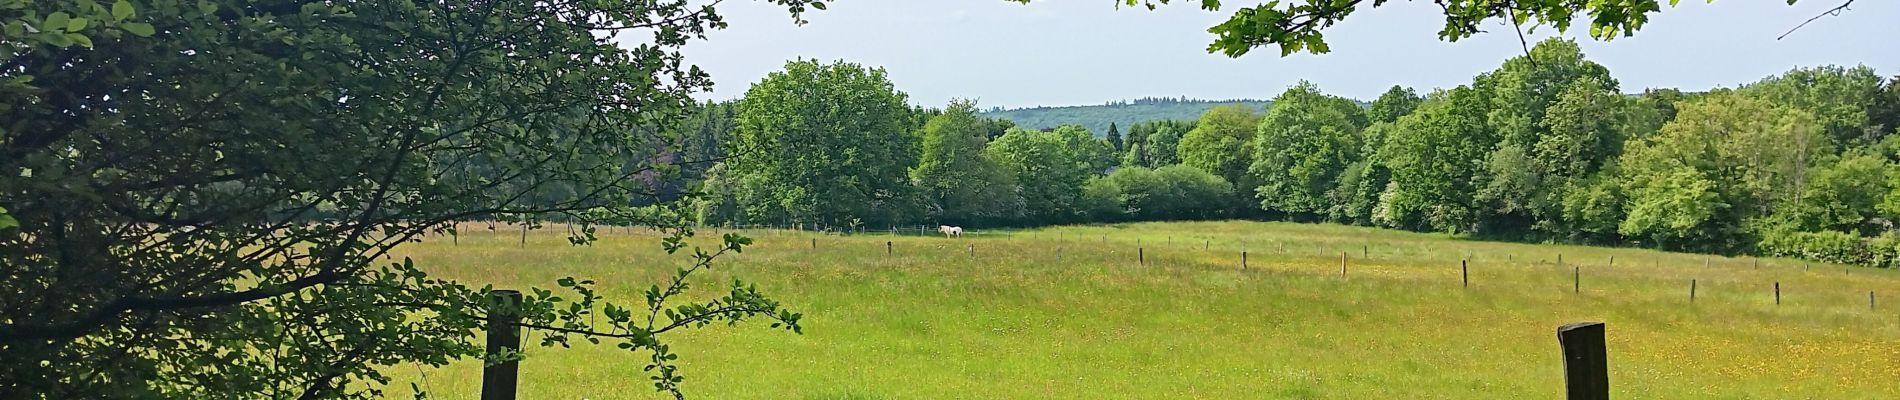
{"x": 1079, "y": 52}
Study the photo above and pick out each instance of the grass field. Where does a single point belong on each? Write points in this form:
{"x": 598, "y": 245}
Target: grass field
{"x": 1067, "y": 313}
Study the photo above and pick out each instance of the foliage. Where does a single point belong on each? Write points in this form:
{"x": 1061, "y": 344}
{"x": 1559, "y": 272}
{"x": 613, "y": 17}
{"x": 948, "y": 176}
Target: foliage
{"x": 1394, "y": 103}
{"x": 1432, "y": 154}
{"x": 1843, "y": 196}
{"x": 1839, "y": 98}
{"x": 1051, "y": 169}
{"x": 1299, "y": 26}
{"x": 1726, "y": 159}
{"x": 1174, "y": 192}
{"x": 210, "y": 196}
{"x": 1221, "y": 144}
{"x": 1303, "y": 144}
{"x": 1123, "y": 114}
{"x": 825, "y": 143}
{"x": 1155, "y": 144}
{"x": 960, "y": 184}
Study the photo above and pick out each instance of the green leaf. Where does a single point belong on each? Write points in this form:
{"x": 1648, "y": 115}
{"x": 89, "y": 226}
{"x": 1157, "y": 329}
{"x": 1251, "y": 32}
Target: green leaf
{"x": 80, "y": 39}
{"x": 122, "y": 10}
{"x": 57, "y": 39}
{"x": 7, "y": 221}
{"x": 817, "y": 5}
{"x": 139, "y": 29}
{"x": 56, "y": 20}
{"x": 77, "y": 24}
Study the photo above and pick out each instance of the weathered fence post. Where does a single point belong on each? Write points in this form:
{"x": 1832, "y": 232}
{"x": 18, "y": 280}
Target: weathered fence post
{"x": 1576, "y": 280}
{"x": 1342, "y": 265}
{"x": 1464, "y": 268}
{"x": 1243, "y": 264}
{"x": 814, "y": 243}
{"x": 887, "y": 248}
{"x": 1691, "y": 290}
{"x": 1777, "y": 293}
{"x": 1141, "y": 256}
{"x": 1586, "y": 361}
{"x": 504, "y": 336}
{"x": 1612, "y": 262}
{"x": 1365, "y": 251}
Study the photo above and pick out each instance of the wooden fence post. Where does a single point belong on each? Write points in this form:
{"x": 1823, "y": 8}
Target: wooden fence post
{"x": 1576, "y": 280}
{"x": 1777, "y": 293}
{"x": 1464, "y": 266}
{"x": 1691, "y": 290}
{"x": 504, "y": 336}
{"x": 1586, "y": 361}
{"x": 1141, "y": 256}
{"x": 887, "y": 248}
{"x": 814, "y": 243}
{"x": 1342, "y": 265}
{"x": 1243, "y": 266}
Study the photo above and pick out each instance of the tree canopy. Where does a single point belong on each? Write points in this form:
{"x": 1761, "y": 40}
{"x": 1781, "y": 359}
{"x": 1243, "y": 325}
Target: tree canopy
{"x": 202, "y": 198}
{"x": 824, "y": 143}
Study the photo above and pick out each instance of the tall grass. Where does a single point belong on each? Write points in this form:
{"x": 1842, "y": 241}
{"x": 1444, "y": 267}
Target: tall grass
{"x": 1067, "y": 312}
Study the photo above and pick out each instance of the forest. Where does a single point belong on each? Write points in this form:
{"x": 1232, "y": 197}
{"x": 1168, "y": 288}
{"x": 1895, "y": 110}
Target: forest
{"x": 1547, "y": 147}
{"x": 1119, "y": 113}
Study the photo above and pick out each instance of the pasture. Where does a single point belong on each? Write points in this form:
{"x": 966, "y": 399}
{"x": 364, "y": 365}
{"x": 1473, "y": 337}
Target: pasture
{"x": 1070, "y": 313}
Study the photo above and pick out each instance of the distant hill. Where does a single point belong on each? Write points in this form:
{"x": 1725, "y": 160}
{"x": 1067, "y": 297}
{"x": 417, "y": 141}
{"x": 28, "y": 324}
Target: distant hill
{"x": 1121, "y": 113}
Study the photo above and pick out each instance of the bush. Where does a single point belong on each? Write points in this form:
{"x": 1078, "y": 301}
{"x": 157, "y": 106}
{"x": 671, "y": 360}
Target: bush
{"x": 1171, "y": 192}
{"x": 1825, "y": 246}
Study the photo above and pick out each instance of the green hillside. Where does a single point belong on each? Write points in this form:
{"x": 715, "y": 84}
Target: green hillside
{"x": 1121, "y": 113}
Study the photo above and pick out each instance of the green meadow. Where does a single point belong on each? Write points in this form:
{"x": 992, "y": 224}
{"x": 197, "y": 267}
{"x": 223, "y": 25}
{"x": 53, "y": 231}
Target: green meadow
{"x": 1070, "y": 313}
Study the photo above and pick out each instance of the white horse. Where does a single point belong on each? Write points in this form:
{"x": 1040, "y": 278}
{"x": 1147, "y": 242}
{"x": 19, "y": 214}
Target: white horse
{"x": 950, "y": 231}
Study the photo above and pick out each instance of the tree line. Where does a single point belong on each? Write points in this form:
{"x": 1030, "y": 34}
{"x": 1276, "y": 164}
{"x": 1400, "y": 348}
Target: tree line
{"x": 1546, "y": 147}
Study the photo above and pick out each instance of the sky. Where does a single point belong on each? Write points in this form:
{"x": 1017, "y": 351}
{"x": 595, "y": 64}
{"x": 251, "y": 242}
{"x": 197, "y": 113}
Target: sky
{"x": 1083, "y": 52}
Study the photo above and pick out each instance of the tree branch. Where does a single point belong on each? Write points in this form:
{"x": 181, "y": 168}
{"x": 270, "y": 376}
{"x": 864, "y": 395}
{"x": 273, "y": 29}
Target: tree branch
{"x": 1832, "y": 11}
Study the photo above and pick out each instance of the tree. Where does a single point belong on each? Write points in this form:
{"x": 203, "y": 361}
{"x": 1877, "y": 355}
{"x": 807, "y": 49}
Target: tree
{"x": 1094, "y": 153}
{"x": 1433, "y": 155}
{"x": 1299, "y": 27}
{"x": 1539, "y": 152}
{"x": 1302, "y": 146}
{"x": 1844, "y": 196}
{"x": 1163, "y": 146}
{"x": 1171, "y": 192}
{"x": 1883, "y": 112}
{"x": 1838, "y": 97}
{"x": 830, "y": 144}
{"x": 1726, "y": 159}
{"x": 1394, "y": 103}
{"x": 1221, "y": 145}
{"x": 1114, "y": 138}
{"x": 960, "y": 185}
{"x": 204, "y": 198}
{"x": 1357, "y": 195}
{"x": 1050, "y": 170}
